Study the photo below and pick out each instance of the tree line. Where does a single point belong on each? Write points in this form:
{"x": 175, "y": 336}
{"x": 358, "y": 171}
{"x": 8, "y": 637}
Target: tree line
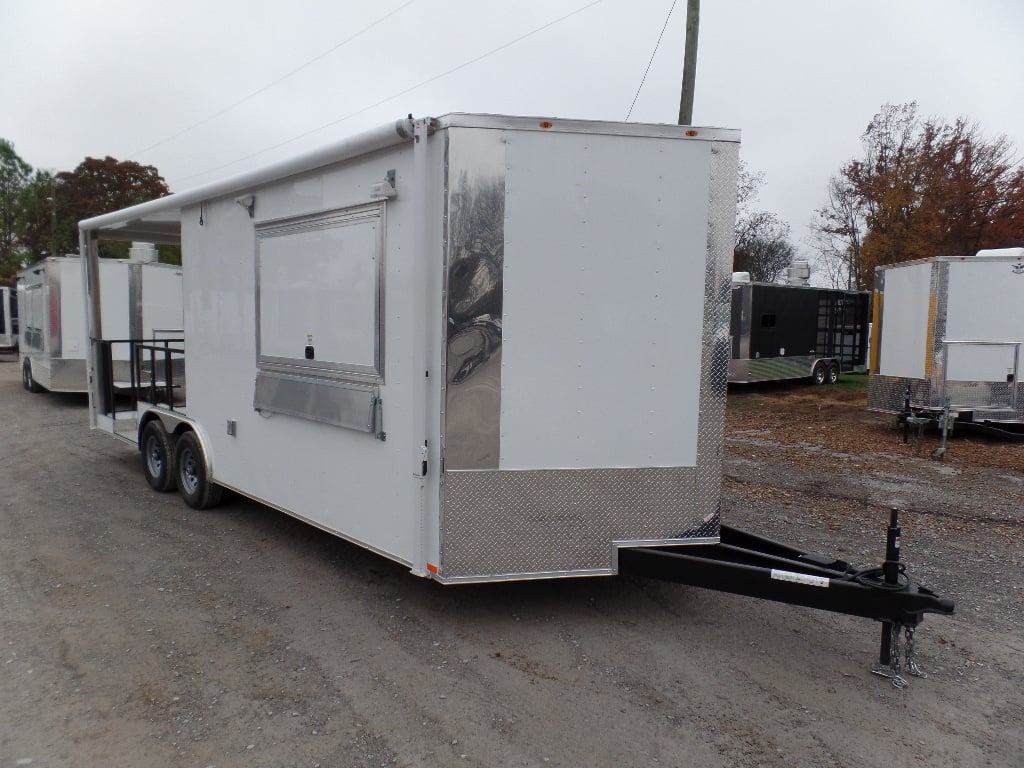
{"x": 40, "y": 210}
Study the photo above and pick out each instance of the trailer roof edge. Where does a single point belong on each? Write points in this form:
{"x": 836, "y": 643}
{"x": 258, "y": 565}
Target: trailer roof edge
{"x": 167, "y": 209}
{"x": 559, "y": 125}
{"x": 158, "y": 220}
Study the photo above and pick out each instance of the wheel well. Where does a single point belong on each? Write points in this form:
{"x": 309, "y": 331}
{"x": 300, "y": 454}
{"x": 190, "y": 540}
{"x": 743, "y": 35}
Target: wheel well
{"x": 143, "y": 423}
{"x": 179, "y": 429}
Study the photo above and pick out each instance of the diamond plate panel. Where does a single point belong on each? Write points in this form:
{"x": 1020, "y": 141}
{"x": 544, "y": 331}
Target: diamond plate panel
{"x": 550, "y": 521}
{"x": 772, "y": 368}
{"x": 993, "y": 397}
{"x": 940, "y": 290}
{"x": 887, "y": 393}
{"x": 717, "y": 303}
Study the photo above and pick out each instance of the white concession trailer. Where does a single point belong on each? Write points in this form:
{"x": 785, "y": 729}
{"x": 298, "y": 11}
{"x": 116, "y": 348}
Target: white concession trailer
{"x": 140, "y": 296}
{"x": 948, "y": 339}
{"x": 488, "y": 348}
{"x": 485, "y": 347}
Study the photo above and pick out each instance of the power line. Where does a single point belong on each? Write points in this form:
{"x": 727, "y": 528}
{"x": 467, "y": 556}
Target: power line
{"x": 394, "y": 96}
{"x": 279, "y": 80}
{"x": 649, "y": 63}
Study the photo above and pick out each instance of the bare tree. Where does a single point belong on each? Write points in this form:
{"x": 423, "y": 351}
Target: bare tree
{"x": 762, "y": 247}
{"x": 837, "y": 233}
{"x": 762, "y": 239}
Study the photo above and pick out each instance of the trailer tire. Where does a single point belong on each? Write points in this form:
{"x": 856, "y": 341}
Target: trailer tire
{"x": 27, "y": 379}
{"x": 820, "y": 373}
{"x": 190, "y": 474}
{"x": 833, "y": 373}
{"x": 158, "y": 457}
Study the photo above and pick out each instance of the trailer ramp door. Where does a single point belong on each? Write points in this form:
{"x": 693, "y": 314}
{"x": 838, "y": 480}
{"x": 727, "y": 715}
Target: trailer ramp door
{"x": 586, "y": 311}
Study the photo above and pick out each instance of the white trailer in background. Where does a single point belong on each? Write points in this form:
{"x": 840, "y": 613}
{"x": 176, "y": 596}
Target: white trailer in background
{"x": 8, "y": 318}
{"x": 948, "y": 340}
{"x": 485, "y": 347}
{"x": 140, "y": 296}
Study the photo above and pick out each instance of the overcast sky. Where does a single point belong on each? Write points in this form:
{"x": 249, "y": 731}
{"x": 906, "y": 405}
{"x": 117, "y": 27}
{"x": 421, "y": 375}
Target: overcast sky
{"x": 204, "y": 89}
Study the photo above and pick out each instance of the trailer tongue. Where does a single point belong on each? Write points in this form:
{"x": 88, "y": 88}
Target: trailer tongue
{"x": 747, "y": 564}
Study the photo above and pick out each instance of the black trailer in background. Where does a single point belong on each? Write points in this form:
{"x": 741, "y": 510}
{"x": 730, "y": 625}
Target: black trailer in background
{"x": 783, "y": 332}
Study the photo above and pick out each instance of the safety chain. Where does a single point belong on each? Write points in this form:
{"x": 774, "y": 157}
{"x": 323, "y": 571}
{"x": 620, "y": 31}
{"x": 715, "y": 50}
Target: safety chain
{"x": 900, "y": 658}
{"x": 911, "y": 658}
{"x": 898, "y": 681}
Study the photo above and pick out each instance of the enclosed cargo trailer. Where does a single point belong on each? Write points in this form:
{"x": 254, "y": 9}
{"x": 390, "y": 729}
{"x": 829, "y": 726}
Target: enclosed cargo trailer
{"x": 8, "y": 318}
{"x": 141, "y": 298}
{"x": 485, "y": 347}
{"x": 779, "y": 332}
{"x": 488, "y": 348}
{"x": 948, "y": 338}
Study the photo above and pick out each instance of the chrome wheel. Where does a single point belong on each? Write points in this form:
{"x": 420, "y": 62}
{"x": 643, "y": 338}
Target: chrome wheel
{"x": 191, "y": 473}
{"x": 154, "y": 456}
{"x": 187, "y": 473}
{"x": 820, "y": 373}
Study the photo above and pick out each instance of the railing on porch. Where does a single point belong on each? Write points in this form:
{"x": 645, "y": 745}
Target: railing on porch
{"x": 154, "y": 372}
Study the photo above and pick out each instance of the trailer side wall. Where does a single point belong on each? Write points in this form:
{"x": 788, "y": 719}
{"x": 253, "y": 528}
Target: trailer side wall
{"x": 366, "y": 489}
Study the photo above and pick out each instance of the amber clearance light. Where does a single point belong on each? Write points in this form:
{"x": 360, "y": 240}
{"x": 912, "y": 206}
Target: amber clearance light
{"x": 546, "y": 124}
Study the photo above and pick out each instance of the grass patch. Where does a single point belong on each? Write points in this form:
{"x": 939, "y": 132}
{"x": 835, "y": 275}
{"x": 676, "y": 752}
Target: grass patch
{"x": 852, "y": 382}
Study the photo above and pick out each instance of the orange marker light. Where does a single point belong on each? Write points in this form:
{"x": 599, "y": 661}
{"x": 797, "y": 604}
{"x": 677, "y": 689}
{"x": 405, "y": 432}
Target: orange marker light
{"x": 692, "y": 133}
{"x": 432, "y": 568}
{"x": 546, "y": 124}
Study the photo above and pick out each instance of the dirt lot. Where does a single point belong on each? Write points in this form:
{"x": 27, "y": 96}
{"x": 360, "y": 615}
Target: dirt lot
{"x": 135, "y": 632}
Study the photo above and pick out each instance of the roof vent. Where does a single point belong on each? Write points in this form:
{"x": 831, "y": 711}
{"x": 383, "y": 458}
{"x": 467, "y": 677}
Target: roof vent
{"x": 1004, "y": 252}
{"x": 798, "y": 273}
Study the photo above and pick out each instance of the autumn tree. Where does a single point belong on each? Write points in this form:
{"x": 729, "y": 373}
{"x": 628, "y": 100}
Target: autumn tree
{"x": 762, "y": 239}
{"x": 100, "y": 186}
{"x": 923, "y": 188}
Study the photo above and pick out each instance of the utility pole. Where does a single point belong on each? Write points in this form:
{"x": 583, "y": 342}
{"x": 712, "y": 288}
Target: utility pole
{"x": 689, "y": 62}
{"x": 53, "y": 222}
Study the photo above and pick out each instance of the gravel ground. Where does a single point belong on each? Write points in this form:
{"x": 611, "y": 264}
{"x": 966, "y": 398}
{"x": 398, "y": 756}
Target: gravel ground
{"x": 138, "y": 632}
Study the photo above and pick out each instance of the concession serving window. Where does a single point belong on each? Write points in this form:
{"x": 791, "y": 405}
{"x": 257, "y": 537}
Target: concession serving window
{"x": 319, "y": 310}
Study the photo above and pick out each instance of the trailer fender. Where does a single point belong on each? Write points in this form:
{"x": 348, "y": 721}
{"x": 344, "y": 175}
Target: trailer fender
{"x": 28, "y": 380}
{"x": 176, "y": 424}
{"x": 825, "y": 370}
{"x": 173, "y": 423}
